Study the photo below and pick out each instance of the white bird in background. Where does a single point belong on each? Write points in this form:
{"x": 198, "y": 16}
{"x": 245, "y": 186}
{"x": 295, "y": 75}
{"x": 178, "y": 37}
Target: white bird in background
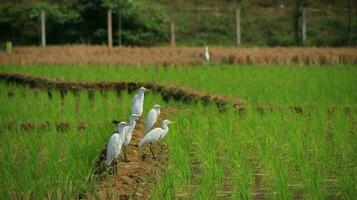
{"x": 115, "y": 144}
{"x": 156, "y": 134}
{"x": 128, "y": 132}
{"x": 138, "y": 102}
{"x": 151, "y": 118}
{"x": 206, "y": 54}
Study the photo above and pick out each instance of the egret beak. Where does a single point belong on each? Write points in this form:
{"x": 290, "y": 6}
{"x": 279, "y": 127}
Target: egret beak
{"x": 171, "y": 122}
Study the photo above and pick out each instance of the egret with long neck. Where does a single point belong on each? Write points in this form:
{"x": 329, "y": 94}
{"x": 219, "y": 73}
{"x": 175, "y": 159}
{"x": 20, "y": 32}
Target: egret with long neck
{"x": 156, "y": 134}
{"x": 152, "y": 118}
{"x": 138, "y": 102}
{"x": 206, "y": 54}
{"x": 115, "y": 144}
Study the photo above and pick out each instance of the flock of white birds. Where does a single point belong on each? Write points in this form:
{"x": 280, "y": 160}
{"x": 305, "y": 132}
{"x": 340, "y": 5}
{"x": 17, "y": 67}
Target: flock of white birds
{"x": 121, "y": 139}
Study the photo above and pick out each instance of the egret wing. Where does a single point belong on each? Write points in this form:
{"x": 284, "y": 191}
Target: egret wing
{"x": 150, "y": 120}
{"x": 127, "y": 136}
{"x": 153, "y": 135}
{"x": 121, "y": 141}
{"x": 135, "y": 104}
{"x": 112, "y": 148}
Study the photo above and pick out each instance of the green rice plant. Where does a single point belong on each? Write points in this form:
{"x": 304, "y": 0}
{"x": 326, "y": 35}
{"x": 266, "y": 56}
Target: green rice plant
{"x": 274, "y": 154}
{"x": 289, "y": 85}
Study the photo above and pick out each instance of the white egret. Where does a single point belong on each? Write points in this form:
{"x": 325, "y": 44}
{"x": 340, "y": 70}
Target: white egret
{"x": 138, "y": 102}
{"x": 155, "y": 134}
{"x": 151, "y": 118}
{"x": 128, "y": 132}
{"x": 115, "y": 144}
{"x": 206, "y": 54}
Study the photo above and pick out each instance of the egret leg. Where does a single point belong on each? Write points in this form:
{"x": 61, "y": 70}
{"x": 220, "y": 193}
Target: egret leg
{"x": 125, "y": 158}
{"x": 152, "y": 151}
{"x": 113, "y": 166}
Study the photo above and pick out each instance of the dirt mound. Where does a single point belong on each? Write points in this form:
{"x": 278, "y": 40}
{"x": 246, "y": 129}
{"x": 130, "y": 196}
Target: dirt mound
{"x": 135, "y": 178}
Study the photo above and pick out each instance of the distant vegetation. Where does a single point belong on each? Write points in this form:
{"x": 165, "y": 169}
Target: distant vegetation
{"x": 147, "y": 22}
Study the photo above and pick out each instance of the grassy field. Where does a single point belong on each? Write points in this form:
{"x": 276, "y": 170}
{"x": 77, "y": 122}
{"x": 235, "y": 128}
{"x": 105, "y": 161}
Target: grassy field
{"x": 315, "y": 85}
{"x": 40, "y": 161}
{"x": 276, "y": 155}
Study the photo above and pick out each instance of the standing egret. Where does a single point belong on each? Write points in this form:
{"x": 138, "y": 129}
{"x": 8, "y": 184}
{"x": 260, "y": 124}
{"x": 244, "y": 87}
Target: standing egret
{"x": 138, "y": 102}
{"x": 128, "y": 132}
{"x": 115, "y": 144}
{"x": 156, "y": 134}
{"x": 151, "y": 118}
{"x": 206, "y": 54}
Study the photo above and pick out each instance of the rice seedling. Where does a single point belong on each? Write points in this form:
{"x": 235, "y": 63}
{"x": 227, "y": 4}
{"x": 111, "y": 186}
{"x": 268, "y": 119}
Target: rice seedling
{"x": 274, "y": 154}
{"x": 294, "y": 86}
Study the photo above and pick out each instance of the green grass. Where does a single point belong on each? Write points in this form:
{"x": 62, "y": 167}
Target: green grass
{"x": 294, "y": 155}
{"x": 279, "y": 155}
{"x": 42, "y": 162}
{"x": 326, "y": 85}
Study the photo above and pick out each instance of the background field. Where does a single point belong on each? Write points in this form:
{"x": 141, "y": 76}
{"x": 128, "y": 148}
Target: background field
{"x": 278, "y": 154}
{"x": 176, "y": 56}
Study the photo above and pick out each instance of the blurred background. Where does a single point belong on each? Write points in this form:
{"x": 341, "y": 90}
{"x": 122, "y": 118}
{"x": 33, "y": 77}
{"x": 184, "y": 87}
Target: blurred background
{"x": 179, "y": 22}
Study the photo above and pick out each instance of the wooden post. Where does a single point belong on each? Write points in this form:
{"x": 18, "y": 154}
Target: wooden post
{"x": 119, "y": 28}
{"x": 8, "y": 47}
{"x": 43, "y": 29}
{"x": 349, "y": 35}
{"x": 303, "y": 24}
{"x": 173, "y": 35}
{"x": 238, "y": 27}
{"x": 110, "y": 38}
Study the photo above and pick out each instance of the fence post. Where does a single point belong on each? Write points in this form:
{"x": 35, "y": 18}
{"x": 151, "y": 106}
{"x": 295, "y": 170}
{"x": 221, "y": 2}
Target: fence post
{"x": 8, "y": 47}
{"x": 303, "y": 24}
{"x": 238, "y": 26}
{"x": 119, "y": 28}
{"x": 43, "y": 29}
{"x": 173, "y": 35}
{"x": 110, "y": 38}
{"x": 349, "y": 23}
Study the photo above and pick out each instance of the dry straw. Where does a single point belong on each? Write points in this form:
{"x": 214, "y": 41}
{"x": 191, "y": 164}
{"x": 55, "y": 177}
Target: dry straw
{"x": 165, "y": 56}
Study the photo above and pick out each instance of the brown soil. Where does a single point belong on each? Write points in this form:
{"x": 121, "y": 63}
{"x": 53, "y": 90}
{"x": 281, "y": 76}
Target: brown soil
{"x": 165, "y": 56}
{"x": 134, "y": 179}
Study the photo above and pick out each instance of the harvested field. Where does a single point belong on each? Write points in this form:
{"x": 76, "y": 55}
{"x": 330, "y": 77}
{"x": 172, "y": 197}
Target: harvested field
{"x": 166, "y": 56}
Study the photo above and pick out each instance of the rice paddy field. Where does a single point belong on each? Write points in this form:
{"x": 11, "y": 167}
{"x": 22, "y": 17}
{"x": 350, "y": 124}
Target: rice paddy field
{"x": 50, "y": 142}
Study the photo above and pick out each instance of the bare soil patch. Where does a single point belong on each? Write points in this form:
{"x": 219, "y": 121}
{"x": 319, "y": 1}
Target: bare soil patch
{"x": 135, "y": 178}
